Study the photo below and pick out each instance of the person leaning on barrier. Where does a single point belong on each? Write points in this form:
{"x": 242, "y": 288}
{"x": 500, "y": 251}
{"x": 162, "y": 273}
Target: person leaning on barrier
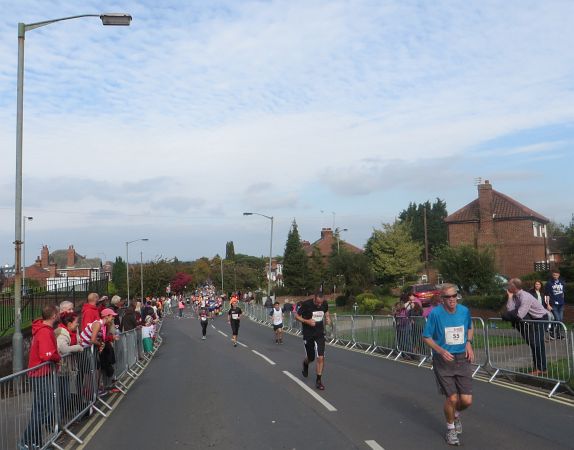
{"x": 90, "y": 311}
{"x": 522, "y": 306}
{"x": 448, "y": 332}
{"x": 43, "y": 349}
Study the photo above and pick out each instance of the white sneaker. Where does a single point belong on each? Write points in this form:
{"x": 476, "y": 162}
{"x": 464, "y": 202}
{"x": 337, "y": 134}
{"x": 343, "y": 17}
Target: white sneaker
{"x": 458, "y": 425}
{"x": 203, "y": 338}
{"x": 451, "y": 437}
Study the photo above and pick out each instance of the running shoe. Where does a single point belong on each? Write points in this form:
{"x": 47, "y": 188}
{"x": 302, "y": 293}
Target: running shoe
{"x": 451, "y": 437}
{"x": 305, "y": 370}
{"x": 458, "y": 425}
{"x": 235, "y": 344}
{"x": 319, "y": 386}
{"x": 203, "y": 338}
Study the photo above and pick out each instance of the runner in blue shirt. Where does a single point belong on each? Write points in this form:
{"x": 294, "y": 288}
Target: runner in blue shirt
{"x": 449, "y": 333}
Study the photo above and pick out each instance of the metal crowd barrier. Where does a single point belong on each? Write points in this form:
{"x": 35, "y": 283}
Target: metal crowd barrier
{"x": 499, "y": 348}
{"x": 37, "y": 405}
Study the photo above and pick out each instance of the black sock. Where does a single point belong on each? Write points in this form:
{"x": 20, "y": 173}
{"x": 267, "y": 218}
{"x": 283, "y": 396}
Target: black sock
{"x": 318, "y": 378}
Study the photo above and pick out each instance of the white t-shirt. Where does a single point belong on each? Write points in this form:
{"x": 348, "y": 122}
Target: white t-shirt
{"x": 277, "y": 317}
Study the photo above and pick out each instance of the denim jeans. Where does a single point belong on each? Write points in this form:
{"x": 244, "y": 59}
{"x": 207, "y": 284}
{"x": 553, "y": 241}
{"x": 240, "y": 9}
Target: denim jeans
{"x": 42, "y": 410}
{"x": 558, "y": 311}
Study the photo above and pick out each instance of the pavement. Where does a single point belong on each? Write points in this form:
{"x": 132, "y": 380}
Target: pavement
{"x": 208, "y": 394}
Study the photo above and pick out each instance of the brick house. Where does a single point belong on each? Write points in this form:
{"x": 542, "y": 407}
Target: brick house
{"x": 516, "y": 232}
{"x": 326, "y": 243}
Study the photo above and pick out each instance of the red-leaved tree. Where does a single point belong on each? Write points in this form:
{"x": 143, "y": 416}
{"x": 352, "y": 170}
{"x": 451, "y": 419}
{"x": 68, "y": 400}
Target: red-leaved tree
{"x": 180, "y": 281}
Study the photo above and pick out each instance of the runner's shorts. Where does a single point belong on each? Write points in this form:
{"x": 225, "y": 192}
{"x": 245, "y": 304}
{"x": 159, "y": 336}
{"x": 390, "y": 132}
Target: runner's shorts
{"x": 235, "y": 327}
{"x": 453, "y": 377}
{"x": 314, "y": 346}
{"x": 277, "y": 327}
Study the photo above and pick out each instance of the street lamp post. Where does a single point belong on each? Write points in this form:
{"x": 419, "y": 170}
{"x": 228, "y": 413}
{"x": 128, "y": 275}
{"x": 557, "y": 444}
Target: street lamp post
{"x": 107, "y": 19}
{"x": 141, "y": 274}
{"x": 128, "y": 264}
{"x": 270, "y": 249}
{"x": 26, "y": 218}
{"x": 338, "y": 233}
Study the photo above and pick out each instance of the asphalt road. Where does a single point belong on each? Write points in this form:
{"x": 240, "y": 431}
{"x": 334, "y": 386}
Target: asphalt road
{"x": 207, "y": 394}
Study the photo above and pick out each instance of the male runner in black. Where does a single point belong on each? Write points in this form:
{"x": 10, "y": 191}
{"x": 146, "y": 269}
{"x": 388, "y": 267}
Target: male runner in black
{"x": 313, "y": 314}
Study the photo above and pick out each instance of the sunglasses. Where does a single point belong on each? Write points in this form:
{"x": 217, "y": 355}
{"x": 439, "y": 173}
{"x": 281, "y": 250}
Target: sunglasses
{"x": 450, "y": 296}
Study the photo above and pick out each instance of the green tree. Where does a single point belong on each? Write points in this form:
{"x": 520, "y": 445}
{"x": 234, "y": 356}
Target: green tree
{"x": 156, "y": 276}
{"x": 470, "y": 268}
{"x": 350, "y": 271}
{"x": 229, "y": 250}
{"x": 295, "y": 271}
{"x": 119, "y": 276}
{"x": 392, "y": 252}
{"x": 436, "y": 212}
{"x": 317, "y": 268}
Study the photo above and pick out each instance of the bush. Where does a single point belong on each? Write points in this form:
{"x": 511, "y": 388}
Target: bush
{"x": 341, "y": 300}
{"x": 492, "y": 302}
{"x": 382, "y": 291}
{"x": 368, "y": 302}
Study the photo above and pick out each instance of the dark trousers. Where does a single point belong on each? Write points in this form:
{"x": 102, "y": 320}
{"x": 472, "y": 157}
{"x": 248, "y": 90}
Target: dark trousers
{"x": 42, "y": 410}
{"x": 533, "y": 334}
{"x": 203, "y": 327}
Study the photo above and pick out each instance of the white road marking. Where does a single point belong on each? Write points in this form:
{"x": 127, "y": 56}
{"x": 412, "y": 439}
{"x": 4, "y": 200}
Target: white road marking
{"x": 310, "y": 391}
{"x": 213, "y": 326}
{"x": 240, "y": 343}
{"x": 222, "y": 333}
{"x": 374, "y": 445}
{"x": 264, "y": 357}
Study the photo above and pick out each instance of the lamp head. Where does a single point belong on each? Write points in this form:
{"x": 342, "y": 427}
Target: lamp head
{"x": 145, "y": 239}
{"x": 116, "y": 19}
{"x": 247, "y": 214}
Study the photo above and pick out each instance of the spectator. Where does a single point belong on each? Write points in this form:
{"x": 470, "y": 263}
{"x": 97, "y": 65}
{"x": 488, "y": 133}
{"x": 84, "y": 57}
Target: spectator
{"x": 180, "y": 307}
{"x": 147, "y": 335}
{"x": 403, "y": 326}
{"x": 116, "y": 305}
{"x": 131, "y": 319}
{"x": 67, "y": 307}
{"x": 435, "y": 301}
{"x": 90, "y": 311}
{"x": 554, "y": 291}
{"x": 43, "y": 349}
{"x": 522, "y": 306}
{"x": 148, "y": 310}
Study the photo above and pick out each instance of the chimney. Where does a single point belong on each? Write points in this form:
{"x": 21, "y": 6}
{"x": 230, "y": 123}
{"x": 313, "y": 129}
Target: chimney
{"x": 71, "y": 260}
{"x": 325, "y": 232}
{"x": 45, "y": 257}
{"x": 38, "y": 262}
{"x": 52, "y": 270}
{"x": 486, "y": 205}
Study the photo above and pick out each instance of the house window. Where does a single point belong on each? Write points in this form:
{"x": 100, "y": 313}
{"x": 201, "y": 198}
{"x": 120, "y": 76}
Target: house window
{"x": 539, "y": 229}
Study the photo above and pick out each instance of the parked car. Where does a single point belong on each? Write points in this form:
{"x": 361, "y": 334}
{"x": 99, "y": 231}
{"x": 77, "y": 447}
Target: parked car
{"x": 423, "y": 292}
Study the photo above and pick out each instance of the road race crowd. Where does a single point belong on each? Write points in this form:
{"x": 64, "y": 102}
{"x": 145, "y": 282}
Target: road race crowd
{"x": 447, "y": 330}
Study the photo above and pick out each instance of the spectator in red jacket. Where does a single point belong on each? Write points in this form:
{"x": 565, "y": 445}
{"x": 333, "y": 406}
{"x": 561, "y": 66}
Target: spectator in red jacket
{"x": 43, "y": 349}
{"x": 90, "y": 311}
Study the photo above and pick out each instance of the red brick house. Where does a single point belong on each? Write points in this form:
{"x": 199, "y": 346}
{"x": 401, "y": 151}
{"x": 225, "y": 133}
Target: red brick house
{"x": 325, "y": 244}
{"x": 516, "y": 232}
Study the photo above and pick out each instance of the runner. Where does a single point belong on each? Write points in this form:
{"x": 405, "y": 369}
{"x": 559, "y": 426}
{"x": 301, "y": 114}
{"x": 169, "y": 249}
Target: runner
{"x": 277, "y": 321}
{"x": 449, "y": 333}
{"x": 203, "y": 321}
{"x": 313, "y": 314}
{"x": 233, "y": 318}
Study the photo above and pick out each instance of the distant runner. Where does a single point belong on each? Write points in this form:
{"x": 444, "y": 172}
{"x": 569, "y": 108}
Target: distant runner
{"x": 313, "y": 314}
{"x": 449, "y": 333}
{"x": 233, "y": 318}
{"x": 277, "y": 321}
{"x": 203, "y": 321}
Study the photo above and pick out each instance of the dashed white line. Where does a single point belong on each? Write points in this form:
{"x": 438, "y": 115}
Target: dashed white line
{"x": 264, "y": 357}
{"x": 374, "y": 445}
{"x": 222, "y": 333}
{"x": 213, "y": 326}
{"x": 310, "y": 391}
{"x": 242, "y": 344}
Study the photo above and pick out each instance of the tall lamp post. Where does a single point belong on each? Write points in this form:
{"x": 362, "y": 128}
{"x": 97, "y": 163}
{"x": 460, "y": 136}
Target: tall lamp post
{"x": 128, "y": 263}
{"x": 141, "y": 274}
{"x": 26, "y": 219}
{"x": 270, "y": 249}
{"x": 338, "y": 234}
{"x": 107, "y": 19}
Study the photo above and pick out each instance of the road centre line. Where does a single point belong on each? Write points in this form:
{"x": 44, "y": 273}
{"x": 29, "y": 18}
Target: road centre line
{"x": 213, "y": 326}
{"x": 264, "y": 357}
{"x": 374, "y": 445}
{"x": 242, "y": 344}
{"x": 222, "y": 333}
{"x": 310, "y": 391}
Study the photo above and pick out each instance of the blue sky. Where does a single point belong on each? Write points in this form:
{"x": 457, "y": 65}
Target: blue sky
{"x": 172, "y": 127}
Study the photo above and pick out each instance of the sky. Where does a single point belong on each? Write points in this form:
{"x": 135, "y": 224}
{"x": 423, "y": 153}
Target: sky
{"x": 322, "y": 111}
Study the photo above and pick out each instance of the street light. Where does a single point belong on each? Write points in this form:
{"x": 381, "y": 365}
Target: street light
{"x": 270, "y": 249}
{"x": 338, "y": 233}
{"x": 107, "y": 19}
{"x": 26, "y": 219}
{"x": 128, "y": 264}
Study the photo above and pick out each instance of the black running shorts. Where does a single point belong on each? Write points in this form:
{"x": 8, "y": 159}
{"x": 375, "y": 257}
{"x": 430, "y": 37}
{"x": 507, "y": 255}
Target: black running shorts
{"x": 235, "y": 327}
{"x": 314, "y": 346}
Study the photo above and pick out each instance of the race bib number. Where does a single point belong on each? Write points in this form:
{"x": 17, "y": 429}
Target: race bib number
{"x": 203, "y": 319}
{"x": 235, "y": 316}
{"x": 318, "y": 316}
{"x": 454, "y": 335}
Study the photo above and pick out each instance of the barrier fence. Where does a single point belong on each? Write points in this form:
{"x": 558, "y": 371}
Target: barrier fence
{"x": 525, "y": 349}
{"x": 37, "y": 405}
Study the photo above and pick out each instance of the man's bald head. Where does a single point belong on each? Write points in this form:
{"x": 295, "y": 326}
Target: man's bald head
{"x": 93, "y": 298}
